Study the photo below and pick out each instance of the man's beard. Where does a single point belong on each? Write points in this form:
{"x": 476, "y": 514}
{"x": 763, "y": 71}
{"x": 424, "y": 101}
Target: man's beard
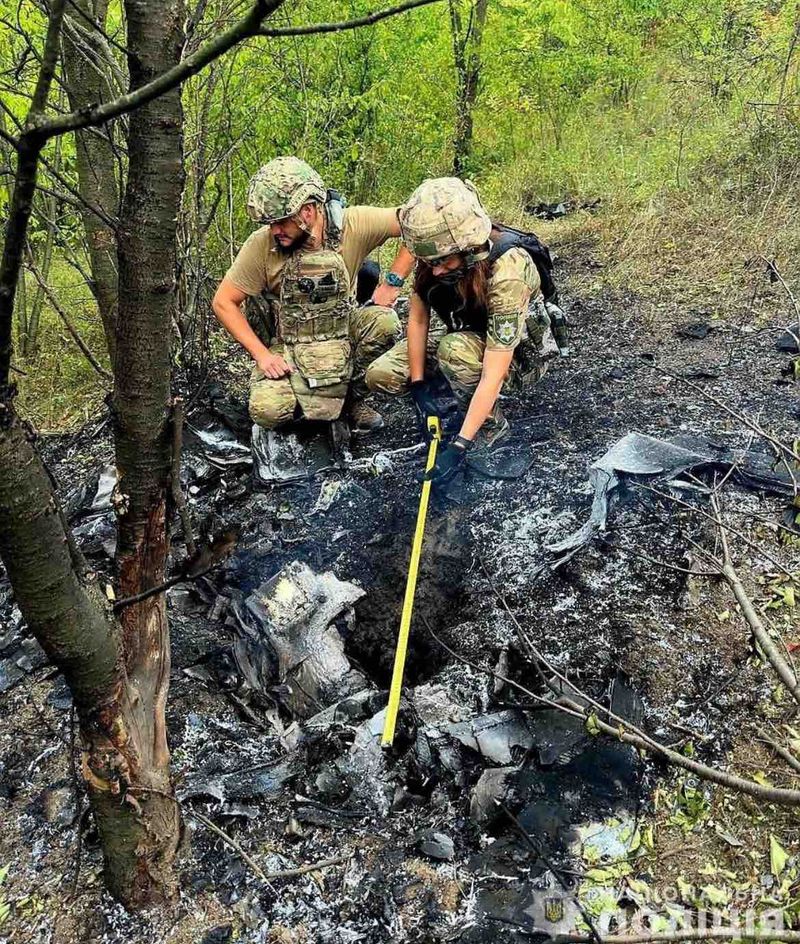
{"x": 294, "y": 246}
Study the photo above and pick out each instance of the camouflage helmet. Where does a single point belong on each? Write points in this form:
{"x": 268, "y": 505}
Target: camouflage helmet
{"x": 278, "y": 189}
{"x": 443, "y": 216}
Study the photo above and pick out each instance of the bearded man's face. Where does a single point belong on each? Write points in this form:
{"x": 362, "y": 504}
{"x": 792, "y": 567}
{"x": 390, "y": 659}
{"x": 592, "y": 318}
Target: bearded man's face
{"x": 288, "y": 235}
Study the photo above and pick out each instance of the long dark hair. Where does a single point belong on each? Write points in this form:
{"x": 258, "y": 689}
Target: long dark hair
{"x": 473, "y": 286}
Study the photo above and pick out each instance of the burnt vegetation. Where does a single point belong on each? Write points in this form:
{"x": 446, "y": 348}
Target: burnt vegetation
{"x": 601, "y": 693}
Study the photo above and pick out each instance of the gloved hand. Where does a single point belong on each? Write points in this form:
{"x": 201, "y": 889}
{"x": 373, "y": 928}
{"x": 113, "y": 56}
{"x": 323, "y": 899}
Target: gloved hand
{"x": 449, "y": 461}
{"x": 424, "y": 404}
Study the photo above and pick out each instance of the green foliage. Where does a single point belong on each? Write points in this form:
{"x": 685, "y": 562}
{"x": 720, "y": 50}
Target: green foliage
{"x": 645, "y": 104}
{"x": 691, "y": 807}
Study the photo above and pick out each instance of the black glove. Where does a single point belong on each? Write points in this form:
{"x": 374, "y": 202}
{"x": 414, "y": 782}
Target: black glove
{"x": 424, "y": 404}
{"x": 449, "y": 461}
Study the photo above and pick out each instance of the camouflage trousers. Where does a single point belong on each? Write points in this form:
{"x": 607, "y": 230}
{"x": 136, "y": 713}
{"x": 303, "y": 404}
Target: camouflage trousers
{"x": 459, "y": 355}
{"x": 373, "y": 330}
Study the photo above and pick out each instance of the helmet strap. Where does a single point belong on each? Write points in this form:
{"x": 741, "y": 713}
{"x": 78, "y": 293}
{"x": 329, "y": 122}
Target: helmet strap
{"x": 473, "y": 258}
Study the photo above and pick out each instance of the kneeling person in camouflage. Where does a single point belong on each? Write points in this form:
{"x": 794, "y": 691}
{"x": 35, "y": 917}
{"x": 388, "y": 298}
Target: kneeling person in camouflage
{"x": 486, "y": 289}
{"x": 313, "y": 346}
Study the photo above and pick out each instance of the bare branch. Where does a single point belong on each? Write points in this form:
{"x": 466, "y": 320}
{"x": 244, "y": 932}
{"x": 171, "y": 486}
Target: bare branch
{"x": 625, "y": 733}
{"x": 704, "y": 514}
{"x": 772, "y": 266}
{"x": 311, "y": 867}
{"x": 783, "y": 752}
{"x": 228, "y": 840}
{"x": 760, "y": 632}
{"x": 777, "y": 445}
{"x": 96, "y": 26}
{"x": 9, "y": 138}
{"x": 29, "y": 148}
{"x": 83, "y": 118}
{"x": 68, "y": 324}
{"x": 688, "y": 934}
{"x": 49, "y": 59}
{"x": 314, "y": 28}
{"x": 662, "y": 563}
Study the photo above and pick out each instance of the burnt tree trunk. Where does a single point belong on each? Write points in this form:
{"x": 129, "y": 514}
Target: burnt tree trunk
{"x": 467, "y": 42}
{"x": 141, "y": 406}
{"x": 89, "y": 71}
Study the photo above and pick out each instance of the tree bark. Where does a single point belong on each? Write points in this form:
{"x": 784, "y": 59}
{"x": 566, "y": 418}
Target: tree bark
{"x": 141, "y": 404}
{"x": 88, "y": 74}
{"x": 467, "y": 43}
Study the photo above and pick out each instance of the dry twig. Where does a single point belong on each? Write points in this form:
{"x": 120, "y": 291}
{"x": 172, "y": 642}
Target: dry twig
{"x": 760, "y": 632}
{"x": 630, "y": 734}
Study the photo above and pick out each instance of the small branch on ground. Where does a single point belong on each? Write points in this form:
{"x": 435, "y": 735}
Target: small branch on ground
{"x": 265, "y": 877}
{"x": 781, "y": 450}
{"x": 539, "y": 851}
{"x": 773, "y": 267}
{"x": 630, "y": 734}
{"x": 689, "y": 934}
{"x": 312, "y": 867}
{"x": 783, "y": 752}
{"x": 721, "y": 525}
{"x": 760, "y": 632}
{"x": 228, "y": 840}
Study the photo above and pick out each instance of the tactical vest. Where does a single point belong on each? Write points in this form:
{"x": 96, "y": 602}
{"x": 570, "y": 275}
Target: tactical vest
{"x": 448, "y": 303}
{"x": 314, "y": 315}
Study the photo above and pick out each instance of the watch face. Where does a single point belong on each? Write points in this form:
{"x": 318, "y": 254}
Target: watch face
{"x": 393, "y": 279}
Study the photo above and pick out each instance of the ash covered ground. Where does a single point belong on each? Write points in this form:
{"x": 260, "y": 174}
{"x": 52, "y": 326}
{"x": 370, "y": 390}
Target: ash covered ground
{"x": 487, "y": 800}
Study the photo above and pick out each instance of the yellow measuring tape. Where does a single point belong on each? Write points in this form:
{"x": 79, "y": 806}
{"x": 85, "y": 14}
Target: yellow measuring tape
{"x": 435, "y": 430}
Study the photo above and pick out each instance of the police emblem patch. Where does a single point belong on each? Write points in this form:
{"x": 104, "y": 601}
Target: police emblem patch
{"x": 505, "y": 328}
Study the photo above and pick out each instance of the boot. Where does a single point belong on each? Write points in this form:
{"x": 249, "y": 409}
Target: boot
{"x": 362, "y": 418}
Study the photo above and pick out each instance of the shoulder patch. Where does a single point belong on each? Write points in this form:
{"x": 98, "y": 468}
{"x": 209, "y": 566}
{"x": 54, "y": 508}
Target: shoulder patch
{"x": 505, "y": 328}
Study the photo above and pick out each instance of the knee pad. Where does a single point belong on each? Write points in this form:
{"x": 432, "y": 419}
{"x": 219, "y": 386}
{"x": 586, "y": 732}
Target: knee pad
{"x": 269, "y": 413}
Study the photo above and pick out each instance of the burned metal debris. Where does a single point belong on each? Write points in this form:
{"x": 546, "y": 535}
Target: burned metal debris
{"x": 300, "y": 454}
{"x": 644, "y": 457}
{"x": 294, "y": 615}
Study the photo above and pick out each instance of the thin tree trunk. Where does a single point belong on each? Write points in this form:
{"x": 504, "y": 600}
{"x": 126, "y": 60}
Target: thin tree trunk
{"x": 67, "y": 614}
{"x": 21, "y": 307}
{"x": 467, "y": 43}
{"x": 30, "y": 339}
{"x": 147, "y": 295}
{"x": 88, "y": 74}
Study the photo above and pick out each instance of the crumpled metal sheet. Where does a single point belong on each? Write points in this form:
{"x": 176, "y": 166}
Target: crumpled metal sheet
{"x": 637, "y": 455}
{"x": 297, "y": 456}
{"x": 293, "y": 613}
{"x": 494, "y": 736}
{"x": 363, "y": 767}
{"x": 258, "y": 781}
{"x": 218, "y": 443}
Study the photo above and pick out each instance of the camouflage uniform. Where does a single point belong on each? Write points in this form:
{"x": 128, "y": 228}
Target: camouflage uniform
{"x": 443, "y": 217}
{"x": 313, "y": 321}
{"x": 274, "y": 402}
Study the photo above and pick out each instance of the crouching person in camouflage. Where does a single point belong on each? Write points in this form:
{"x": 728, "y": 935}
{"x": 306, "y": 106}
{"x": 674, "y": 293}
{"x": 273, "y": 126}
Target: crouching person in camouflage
{"x": 486, "y": 289}
{"x": 312, "y": 344}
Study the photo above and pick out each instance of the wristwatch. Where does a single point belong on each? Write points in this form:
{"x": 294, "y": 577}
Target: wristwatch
{"x": 395, "y": 280}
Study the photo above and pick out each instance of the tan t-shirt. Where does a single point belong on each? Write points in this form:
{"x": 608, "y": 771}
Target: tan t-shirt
{"x": 259, "y": 264}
